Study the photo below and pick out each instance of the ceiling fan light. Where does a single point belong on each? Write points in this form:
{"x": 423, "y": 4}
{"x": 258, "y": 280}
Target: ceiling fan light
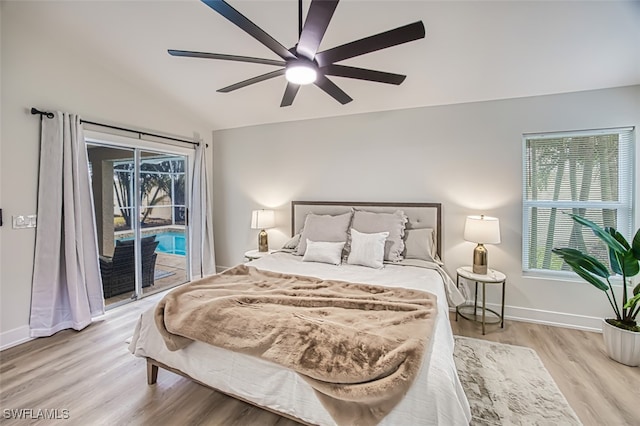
{"x": 300, "y": 74}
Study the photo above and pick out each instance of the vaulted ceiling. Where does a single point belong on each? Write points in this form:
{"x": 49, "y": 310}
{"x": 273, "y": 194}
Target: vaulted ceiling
{"x": 473, "y": 51}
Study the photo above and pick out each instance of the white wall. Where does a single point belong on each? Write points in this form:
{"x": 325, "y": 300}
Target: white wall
{"x": 36, "y": 71}
{"x": 467, "y": 156}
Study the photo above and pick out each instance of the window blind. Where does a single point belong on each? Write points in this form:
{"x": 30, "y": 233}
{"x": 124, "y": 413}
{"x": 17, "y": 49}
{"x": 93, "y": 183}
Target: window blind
{"x": 588, "y": 173}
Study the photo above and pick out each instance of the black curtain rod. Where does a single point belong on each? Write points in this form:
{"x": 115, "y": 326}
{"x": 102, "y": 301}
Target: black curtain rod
{"x": 45, "y": 113}
{"x": 49, "y": 114}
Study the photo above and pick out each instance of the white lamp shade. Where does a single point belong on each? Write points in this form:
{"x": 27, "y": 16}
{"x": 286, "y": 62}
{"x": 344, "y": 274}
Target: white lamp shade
{"x": 262, "y": 219}
{"x": 482, "y": 229}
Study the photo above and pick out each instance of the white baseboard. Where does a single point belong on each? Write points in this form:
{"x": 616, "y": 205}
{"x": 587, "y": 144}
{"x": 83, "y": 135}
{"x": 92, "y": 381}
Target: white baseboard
{"x": 11, "y": 338}
{"x": 556, "y": 319}
{"x": 221, "y": 268}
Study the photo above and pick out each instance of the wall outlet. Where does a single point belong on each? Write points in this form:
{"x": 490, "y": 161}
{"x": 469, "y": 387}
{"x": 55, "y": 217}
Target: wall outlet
{"x": 24, "y": 221}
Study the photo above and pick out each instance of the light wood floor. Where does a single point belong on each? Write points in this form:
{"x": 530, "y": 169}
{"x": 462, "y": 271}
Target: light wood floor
{"x": 93, "y": 376}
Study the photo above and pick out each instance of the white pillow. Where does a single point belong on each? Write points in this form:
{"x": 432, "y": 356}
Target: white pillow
{"x": 323, "y": 251}
{"x": 367, "y": 249}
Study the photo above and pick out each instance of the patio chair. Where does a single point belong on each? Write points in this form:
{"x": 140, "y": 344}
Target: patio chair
{"x": 118, "y": 272}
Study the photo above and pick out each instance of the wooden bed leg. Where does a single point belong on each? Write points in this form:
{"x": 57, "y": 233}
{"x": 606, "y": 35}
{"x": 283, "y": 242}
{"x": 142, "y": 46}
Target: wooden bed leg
{"x": 152, "y": 373}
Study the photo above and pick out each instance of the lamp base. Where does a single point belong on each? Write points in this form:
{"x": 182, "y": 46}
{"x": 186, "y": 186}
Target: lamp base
{"x": 263, "y": 241}
{"x": 480, "y": 256}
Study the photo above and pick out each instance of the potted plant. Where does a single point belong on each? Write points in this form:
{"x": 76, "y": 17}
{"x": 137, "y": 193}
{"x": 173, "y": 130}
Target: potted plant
{"x": 622, "y": 333}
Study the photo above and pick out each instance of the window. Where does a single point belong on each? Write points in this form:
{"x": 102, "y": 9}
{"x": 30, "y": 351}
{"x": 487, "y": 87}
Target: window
{"x": 588, "y": 173}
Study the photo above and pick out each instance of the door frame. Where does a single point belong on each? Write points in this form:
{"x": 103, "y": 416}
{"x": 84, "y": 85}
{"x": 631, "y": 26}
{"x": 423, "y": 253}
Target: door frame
{"x": 137, "y": 146}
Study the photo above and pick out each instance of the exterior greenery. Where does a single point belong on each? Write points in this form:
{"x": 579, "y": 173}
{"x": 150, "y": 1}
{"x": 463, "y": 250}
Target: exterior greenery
{"x": 624, "y": 260}
{"x": 162, "y": 185}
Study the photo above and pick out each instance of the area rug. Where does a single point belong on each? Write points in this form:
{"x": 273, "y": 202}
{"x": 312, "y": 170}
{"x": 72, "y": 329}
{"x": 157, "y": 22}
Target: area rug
{"x": 509, "y": 385}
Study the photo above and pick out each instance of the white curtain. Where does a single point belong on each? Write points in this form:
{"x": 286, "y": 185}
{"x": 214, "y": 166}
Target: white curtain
{"x": 201, "y": 222}
{"x": 67, "y": 288}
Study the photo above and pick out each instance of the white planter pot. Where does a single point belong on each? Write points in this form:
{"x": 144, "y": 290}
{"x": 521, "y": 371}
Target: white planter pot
{"x": 621, "y": 345}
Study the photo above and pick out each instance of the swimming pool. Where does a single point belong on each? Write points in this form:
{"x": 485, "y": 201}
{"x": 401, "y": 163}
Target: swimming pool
{"x": 168, "y": 242}
{"x": 171, "y": 243}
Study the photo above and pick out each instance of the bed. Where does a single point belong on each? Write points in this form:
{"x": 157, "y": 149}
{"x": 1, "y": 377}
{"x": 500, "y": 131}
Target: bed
{"x": 435, "y": 397}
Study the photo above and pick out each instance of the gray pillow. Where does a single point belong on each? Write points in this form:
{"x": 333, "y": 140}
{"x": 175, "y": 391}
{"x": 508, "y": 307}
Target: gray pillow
{"x": 325, "y": 228}
{"x": 420, "y": 244}
{"x": 292, "y": 244}
{"x": 393, "y": 223}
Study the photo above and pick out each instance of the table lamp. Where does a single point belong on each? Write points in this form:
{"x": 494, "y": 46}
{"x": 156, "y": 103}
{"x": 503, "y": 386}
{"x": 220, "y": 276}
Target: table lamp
{"x": 482, "y": 230}
{"x": 262, "y": 219}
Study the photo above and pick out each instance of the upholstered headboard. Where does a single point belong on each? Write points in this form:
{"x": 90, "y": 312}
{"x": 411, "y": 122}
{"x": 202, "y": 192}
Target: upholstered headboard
{"x": 420, "y": 215}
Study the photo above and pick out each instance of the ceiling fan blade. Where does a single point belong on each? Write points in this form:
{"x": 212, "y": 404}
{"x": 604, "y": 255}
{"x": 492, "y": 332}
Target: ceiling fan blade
{"x": 224, "y": 9}
{"x": 318, "y": 18}
{"x": 334, "y": 91}
{"x": 250, "y": 81}
{"x": 289, "y": 94}
{"x": 372, "y": 43}
{"x": 363, "y": 74}
{"x": 190, "y": 54}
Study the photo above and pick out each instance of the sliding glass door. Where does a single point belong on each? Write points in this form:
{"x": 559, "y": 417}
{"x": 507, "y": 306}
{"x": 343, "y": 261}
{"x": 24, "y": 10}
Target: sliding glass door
{"x": 141, "y": 210}
{"x": 163, "y": 214}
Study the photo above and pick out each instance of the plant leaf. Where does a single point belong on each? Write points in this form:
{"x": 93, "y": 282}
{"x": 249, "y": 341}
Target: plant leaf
{"x": 636, "y": 290}
{"x": 630, "y": 265}
{"x": 591, "y": 279}
{"x": 600, "y": 233}
{"x": 613, "y": 258}
{"x": 587, "y": 267}
{"x": 618, "y": 236}
{"x": 636, "y": 245}
{"x": 631, "y": 303}
{"x": 584, "y": 261}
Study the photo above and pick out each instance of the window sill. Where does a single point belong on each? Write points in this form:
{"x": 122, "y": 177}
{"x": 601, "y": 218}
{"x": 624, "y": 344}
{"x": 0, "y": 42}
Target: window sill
{"x": 563, "y": 276}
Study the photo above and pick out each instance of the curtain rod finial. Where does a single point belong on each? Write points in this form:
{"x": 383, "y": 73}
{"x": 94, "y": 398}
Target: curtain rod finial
{"x": 47, "y": 114}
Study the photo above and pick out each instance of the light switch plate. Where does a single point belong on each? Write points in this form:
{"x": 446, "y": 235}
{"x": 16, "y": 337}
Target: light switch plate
{"x": 24, "y": 221}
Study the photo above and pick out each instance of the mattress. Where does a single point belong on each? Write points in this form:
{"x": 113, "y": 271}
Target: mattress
{"x": 435, "y": 398}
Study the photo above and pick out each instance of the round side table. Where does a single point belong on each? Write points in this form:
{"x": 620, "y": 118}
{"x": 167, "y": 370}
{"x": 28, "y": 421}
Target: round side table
{"x": 471, "y": 311}
{"x": 255, "y": 254}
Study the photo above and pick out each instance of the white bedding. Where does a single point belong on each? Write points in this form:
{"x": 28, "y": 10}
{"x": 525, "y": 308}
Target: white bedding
{"x": 435, "y": 398}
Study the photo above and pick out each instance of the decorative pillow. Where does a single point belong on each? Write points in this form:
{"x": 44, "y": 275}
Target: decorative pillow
{"x": 292, "y": 244}
{"x": 393, "y": 223}
{"x": 324, "y": 228}
{"x": 367, "y": 249}
{"x": 420, "y": 244}
{"x": 323, "y": 251}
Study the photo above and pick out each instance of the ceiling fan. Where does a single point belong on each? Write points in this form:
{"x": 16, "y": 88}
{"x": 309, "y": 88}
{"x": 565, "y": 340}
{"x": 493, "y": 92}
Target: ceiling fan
{"x": 303, "y": 64}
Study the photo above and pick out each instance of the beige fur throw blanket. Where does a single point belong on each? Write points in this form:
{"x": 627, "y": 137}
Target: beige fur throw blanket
{"x": 359, "y": 346}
